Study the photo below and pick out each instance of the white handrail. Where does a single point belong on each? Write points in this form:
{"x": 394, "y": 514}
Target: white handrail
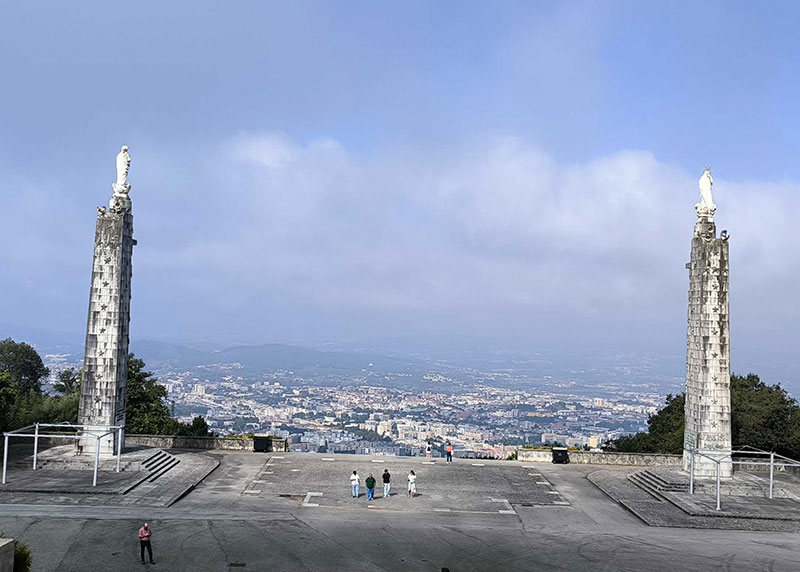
{"x": 115, "y": 430}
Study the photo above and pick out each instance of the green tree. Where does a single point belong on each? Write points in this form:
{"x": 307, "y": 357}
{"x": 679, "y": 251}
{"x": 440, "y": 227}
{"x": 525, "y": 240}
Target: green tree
{"x": 24, "y": 364}
{"x": 29, "y": 408}
{"x": 148, "y": 411}
{"x": 762, "y": 416}
{"x": 21, "y": 400}
{"x": 665, "y": 431}
{"x": 197, "y": 428}
{"x": 8, "y": 394}
{"x": 69, "y": 381}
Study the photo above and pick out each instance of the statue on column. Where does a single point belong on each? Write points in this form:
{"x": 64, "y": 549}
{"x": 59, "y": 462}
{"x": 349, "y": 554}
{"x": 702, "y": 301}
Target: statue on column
{"x": 121, "y": 186}
{"x": 706, "y": 206}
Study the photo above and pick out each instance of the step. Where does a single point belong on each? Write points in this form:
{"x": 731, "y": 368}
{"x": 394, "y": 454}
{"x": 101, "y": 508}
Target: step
{"x": 154, "y": 459}
{"x": 665, "y": 485}
{"x": 164, "y": 460}
{"x": 164, "y": 469}
{"x": 636, "y": 479}
{"x": 150, "y": 459}
{"x": 656, "y": 484}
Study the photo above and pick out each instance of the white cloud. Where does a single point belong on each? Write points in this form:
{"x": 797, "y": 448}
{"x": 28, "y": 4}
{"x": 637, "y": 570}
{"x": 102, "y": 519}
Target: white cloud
{"x": 495, "y": 236}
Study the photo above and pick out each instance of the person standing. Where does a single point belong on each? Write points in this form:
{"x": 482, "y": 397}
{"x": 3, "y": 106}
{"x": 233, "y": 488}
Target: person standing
{"x": 370, "y": 482}
{"x": 412, "y": 484}
{"x": 428, "y": 451}
{"x": 144, "y": 542}
{"x": 354, "y": 482}
{"x": 387, "y": 482}
{"x": 449, "y": 450}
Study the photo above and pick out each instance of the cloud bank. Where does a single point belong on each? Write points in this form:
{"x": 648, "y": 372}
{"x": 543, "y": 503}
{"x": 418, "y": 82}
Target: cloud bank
{"x": 263, "y": 237}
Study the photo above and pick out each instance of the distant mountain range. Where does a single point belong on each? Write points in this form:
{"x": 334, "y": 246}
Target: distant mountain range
{"x": 536, "y": 367}
{"x": 266, "y": 357}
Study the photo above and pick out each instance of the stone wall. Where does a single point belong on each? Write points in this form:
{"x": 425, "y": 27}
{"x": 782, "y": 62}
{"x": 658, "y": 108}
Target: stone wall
{"x": 600, "y": 458}
{"x": 7, "y": 554}
{"x": 219, "y": 443}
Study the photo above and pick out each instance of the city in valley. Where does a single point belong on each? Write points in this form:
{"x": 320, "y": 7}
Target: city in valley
{"x": 372, "y": 410}
{"x": 479, "y": 420}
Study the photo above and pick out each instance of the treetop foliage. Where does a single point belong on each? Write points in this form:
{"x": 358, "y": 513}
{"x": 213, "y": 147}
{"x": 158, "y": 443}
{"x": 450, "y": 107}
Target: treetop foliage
{"x": 69, "y": 381}
{"x": 24, "y": 365}
{"x": 148, "y": 411}
{"x": 23, "y": 403}
{"x": 21, "y": 399}
{"x": 762, "y": 416}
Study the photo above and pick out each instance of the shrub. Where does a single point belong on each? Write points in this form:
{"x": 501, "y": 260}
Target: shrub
{"x": 22, "y": 557}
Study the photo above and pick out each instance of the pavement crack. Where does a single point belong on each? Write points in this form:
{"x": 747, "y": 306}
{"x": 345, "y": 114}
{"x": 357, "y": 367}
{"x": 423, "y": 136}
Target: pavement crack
{"x": 69, "y": 550}
{"x": 481, "y": 554}
{"x": 221, "y": 546}
{"x": 343, "y": 545}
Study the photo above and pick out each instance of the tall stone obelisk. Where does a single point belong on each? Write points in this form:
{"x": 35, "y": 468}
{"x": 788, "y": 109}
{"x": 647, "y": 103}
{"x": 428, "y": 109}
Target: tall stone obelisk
{"x": 105, "y": 363}
{"x": 708, "y": 396}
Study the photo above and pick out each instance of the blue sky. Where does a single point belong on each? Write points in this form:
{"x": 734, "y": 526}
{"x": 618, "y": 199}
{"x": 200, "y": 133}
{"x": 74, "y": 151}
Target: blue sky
{"x": 362, "y": 170}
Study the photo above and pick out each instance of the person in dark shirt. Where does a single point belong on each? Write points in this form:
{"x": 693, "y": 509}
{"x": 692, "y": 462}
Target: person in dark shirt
{"x": 370, "y": 482}
{"x": 387, "y": 482}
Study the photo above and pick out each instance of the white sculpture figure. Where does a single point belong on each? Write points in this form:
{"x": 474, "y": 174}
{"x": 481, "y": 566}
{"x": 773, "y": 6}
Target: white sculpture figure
{"x": 123, "y": 166}
{"x": 120, "y": 199}
{"x": 706, "y": 206}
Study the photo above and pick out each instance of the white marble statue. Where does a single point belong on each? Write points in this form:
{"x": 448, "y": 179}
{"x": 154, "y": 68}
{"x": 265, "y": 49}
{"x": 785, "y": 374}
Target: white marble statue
{"x": 123, "y": 166}
{"x": 120, "y": 199}
{"x": 706, "y": 206}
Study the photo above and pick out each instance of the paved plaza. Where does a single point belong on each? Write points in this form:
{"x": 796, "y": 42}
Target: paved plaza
{"x": 466, "y": 486}
{"x": 254, "y": 512}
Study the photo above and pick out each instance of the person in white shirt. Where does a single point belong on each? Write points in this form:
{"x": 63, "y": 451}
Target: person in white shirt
{"x": 412, "y": 484}
{"x": 354, "y": 482}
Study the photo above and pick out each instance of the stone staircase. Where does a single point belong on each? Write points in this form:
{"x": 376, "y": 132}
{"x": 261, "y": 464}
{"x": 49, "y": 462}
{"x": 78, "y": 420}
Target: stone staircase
{"x": 158, "y": 464}
{"x": 656, "y": 484}
{"x": 163, "y": 486}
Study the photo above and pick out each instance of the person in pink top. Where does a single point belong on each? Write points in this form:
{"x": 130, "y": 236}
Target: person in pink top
{"x": 144, "y": 542}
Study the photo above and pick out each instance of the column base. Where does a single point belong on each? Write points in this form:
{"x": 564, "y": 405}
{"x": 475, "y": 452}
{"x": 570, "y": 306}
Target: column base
{"x": 705, "y": 468}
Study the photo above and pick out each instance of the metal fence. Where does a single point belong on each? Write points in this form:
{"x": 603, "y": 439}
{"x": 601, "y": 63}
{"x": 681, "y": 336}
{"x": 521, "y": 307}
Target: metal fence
{"x": 719, "y": 457}
{"x": 32, "y": 431}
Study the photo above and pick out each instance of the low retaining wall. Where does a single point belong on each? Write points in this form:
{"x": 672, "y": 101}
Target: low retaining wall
{"x": 7, "y": 554}
{"x": 587, "y": 457}
{"x": 219, "y": 443}
{"x": 779, "y": 467}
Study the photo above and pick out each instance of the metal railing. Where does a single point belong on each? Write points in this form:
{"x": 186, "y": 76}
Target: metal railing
{"x": 23, "y": 432}
{"x": 727, "y": 457}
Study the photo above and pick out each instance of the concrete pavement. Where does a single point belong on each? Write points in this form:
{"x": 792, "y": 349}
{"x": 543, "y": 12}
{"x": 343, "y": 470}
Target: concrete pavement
{"x": 221, "y": 527}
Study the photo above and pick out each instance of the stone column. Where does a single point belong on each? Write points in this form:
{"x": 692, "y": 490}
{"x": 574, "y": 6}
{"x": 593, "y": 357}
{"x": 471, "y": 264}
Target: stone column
{"x": 708, "y": 398}
{"x": 105, "y": 365}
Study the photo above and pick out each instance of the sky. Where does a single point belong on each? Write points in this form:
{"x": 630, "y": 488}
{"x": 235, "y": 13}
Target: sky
{"x": 520, "y": 174}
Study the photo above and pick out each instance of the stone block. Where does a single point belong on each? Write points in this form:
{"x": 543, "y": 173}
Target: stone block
{"x": 7, "y": 546}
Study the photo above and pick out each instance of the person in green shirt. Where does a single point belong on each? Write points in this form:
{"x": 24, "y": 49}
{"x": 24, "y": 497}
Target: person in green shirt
{"x": 370, "y": 482}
